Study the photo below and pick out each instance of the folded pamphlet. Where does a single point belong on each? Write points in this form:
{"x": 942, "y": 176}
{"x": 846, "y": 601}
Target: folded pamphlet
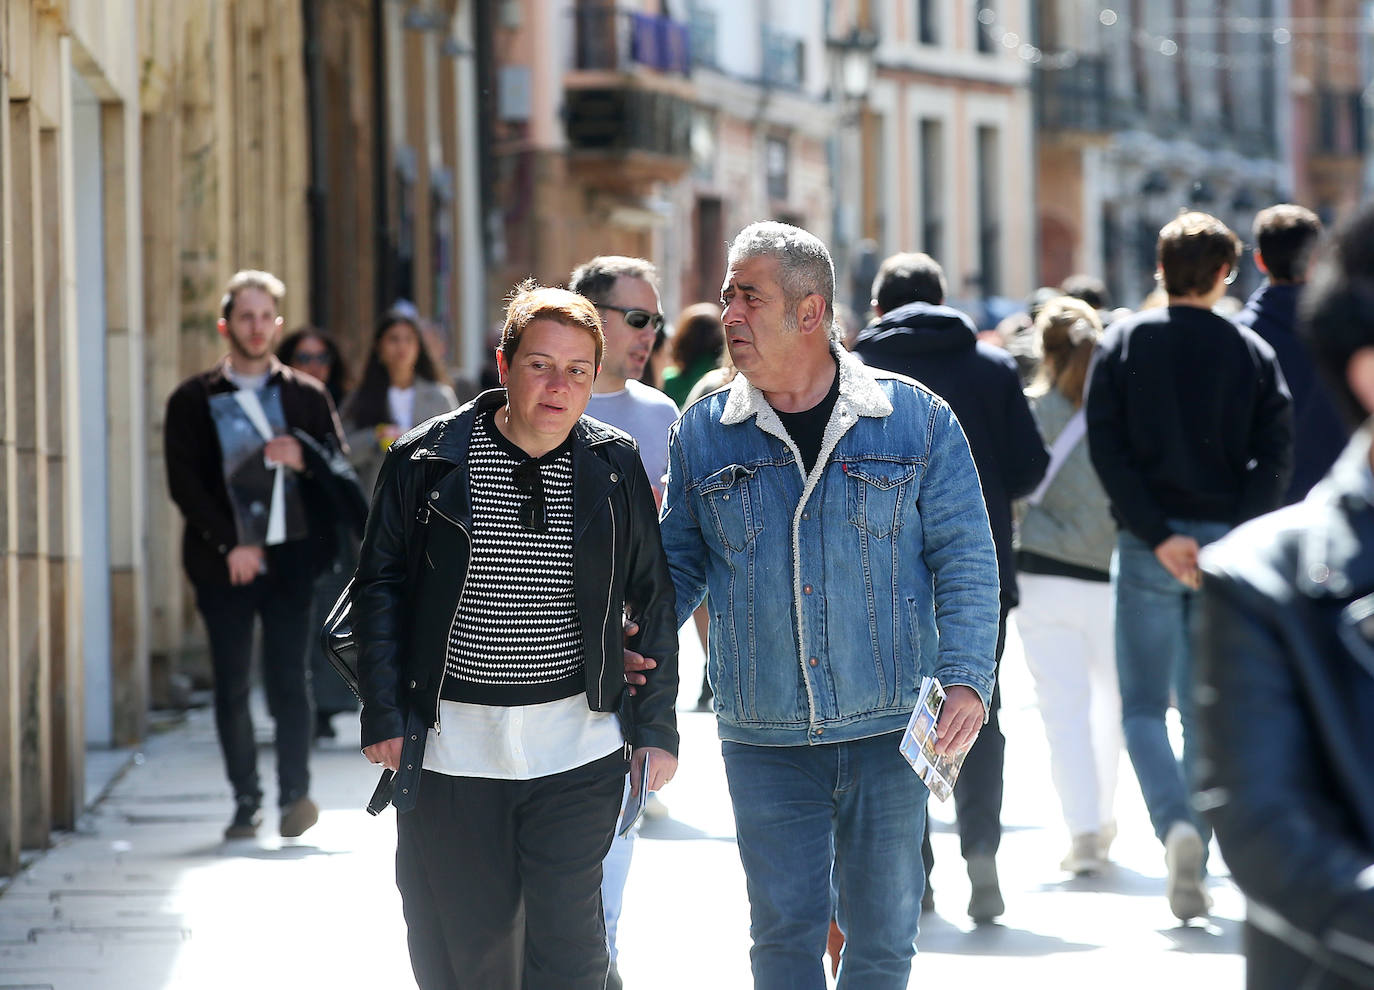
{"x": 634, "y": 803}
{"x": 918, "y": 742}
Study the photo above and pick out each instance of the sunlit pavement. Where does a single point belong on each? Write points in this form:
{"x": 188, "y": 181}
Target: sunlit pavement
{"x": 147, "y": 895}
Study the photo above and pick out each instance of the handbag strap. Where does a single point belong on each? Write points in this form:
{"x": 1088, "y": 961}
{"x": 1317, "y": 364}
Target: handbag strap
{"x": 1073, "y": 431}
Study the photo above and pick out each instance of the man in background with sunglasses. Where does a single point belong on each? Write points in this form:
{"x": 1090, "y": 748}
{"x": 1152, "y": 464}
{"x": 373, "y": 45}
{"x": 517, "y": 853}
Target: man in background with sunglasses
{"x": 625, "y": 292}
{"x": 505, "y": 543}
{"x": 1190, "y": 429}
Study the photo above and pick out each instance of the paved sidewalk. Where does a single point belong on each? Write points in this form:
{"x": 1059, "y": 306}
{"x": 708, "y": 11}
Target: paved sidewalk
{"x": 147, "y": 895}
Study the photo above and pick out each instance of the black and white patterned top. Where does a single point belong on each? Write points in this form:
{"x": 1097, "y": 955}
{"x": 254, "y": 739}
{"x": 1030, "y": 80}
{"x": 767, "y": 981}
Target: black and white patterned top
{"x": 517, "y": 639}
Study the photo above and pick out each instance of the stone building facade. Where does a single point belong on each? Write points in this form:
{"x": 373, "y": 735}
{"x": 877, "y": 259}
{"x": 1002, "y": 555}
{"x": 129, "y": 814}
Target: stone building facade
{"x": 619, "y": 130}
{"x": 1148, "y": 108}
{"x": 946, "y": 141}
{"x": 73, "y": 585}
{"x": 149, "y": 149}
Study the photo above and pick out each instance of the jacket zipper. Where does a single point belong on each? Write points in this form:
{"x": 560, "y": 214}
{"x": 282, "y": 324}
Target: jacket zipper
{"x": 443, "y": 671}
{"x": 606, "y": 619}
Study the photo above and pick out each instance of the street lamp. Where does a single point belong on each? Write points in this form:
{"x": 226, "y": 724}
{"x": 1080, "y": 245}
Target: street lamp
{"x": 853, "y": 58}
{"x": 852, "y": 69}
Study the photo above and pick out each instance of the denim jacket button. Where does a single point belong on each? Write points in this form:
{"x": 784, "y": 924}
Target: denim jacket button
{"x": 813, "y": 662}
{"x": 820, "y": 732}
{"x": 806, "y": 515}
{"x": 806, "y": 589}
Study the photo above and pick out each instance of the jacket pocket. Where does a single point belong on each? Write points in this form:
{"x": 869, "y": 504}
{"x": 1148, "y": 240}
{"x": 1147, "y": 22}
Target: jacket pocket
{"x": 876, "y": 494}
{"x": 731, "y": 497}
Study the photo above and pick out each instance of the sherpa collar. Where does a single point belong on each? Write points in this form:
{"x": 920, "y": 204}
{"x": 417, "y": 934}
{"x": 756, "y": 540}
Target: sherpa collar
{"x": 859, "y": 390}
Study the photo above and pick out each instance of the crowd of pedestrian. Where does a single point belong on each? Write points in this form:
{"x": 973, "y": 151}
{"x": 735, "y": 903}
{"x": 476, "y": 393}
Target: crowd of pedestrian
{"x": 844, "y": 511}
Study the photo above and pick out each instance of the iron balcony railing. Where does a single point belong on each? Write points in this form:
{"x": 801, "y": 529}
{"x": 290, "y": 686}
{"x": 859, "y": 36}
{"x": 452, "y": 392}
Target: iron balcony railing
{"x": 606, "y": 38}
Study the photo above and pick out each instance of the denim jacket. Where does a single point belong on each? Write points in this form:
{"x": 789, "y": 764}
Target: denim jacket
{"x": 832, "y": 594}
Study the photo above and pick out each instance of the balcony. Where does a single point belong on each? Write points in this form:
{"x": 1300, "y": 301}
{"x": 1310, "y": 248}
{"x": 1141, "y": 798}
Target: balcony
{"x": 1075, "y": 98}
{"x": 607, "y": 39}
{"x": 626, "y": 100}
{"x": 647, "y": 133}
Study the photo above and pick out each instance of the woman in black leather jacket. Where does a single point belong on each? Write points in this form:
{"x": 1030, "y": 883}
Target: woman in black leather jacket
{"x": 506, "y": 543}
{"x": 1285, "y": 680}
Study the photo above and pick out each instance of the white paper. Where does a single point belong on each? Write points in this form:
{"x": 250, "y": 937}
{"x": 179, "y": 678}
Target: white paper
{"x": 276, "y": 516}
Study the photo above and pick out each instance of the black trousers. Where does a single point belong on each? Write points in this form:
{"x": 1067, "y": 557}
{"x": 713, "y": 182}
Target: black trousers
{"x": 978, "y": 791}
{"x": 501, "y": 879}
{"x": 284, "y": 607}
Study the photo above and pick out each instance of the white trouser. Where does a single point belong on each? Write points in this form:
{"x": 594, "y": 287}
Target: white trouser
{"x": 615, "y": 870}
{"x": 1066, "y": 627}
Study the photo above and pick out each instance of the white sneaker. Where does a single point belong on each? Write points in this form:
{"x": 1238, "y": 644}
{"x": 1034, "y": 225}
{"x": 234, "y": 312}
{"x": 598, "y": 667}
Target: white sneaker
{"x": 1183, "y": 857}
{"x": 1085, "y": 857}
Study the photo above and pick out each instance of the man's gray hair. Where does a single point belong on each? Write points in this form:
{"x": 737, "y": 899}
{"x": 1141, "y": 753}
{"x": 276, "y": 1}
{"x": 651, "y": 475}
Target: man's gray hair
{"x": 804, "y": 264}
{"x": 596, "y": 278}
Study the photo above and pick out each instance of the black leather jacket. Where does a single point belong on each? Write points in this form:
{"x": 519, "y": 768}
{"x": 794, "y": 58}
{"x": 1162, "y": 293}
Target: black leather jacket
{"x": 1285, "y": 691}
{"x": 403, "y": 608}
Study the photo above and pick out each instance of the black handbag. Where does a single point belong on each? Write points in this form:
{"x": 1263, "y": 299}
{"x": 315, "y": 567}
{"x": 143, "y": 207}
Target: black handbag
{"x": 341, "y": 650}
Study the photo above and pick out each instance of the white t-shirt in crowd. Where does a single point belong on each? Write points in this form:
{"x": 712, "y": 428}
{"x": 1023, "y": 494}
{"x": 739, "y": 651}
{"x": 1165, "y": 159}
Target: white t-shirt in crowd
{"x": 401, "y": 402}
{"x": 644, "y": 413}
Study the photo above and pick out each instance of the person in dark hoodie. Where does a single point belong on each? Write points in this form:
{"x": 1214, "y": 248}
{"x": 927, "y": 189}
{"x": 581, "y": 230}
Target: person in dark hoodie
{"x": 1286, "y": 237}
{"x": 916, "y": 335}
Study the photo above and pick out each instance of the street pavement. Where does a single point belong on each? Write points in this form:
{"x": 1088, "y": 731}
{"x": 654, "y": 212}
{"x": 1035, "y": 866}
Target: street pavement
{"x": 147, "y": 895}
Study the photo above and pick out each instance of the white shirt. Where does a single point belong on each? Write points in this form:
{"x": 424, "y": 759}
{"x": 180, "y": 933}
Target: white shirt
{"x": 520, "y": 743}
{"x": 401, "y": 402}
{"x": 644, "y": 413}
{"x": 252, "y": 383}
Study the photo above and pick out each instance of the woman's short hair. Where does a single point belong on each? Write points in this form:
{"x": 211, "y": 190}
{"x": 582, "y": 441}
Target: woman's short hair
{"x": 530, "y": 301}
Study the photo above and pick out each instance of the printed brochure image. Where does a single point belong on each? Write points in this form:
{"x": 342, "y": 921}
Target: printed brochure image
{"x": 918, "y": 742}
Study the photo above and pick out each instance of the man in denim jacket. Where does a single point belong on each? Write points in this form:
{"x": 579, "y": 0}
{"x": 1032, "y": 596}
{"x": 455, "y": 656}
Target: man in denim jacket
{"x": 831, "y": 511}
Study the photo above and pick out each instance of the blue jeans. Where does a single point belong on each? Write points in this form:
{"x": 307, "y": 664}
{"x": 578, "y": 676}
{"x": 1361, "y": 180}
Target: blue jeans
{"x": 800, "y": 811}
{"x": 1155, "y": 619}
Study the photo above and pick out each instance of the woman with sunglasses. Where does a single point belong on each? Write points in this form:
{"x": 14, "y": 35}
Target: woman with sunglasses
{"x": 313, "y": 352}
{"x": 400, "y": 388}
{"x": 316, "y": 353}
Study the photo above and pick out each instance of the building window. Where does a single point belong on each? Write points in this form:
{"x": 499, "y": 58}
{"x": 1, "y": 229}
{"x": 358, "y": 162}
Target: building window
{"x": 701, "y": 23}
{"x": 1140, "y": 77}
{"x": 927, "y": 29}
{"x": 983, "y": 20}
{"x": 710, "y": 245}
{"x": 1328, "y": 122}
{"x": 775, "y": 167}
{"x": 784, "y": 59}
{"x": 1183, "y": 63}
{"x": 931, "y": 155}
{"x": 989, "y": 211}
{"x": 1268, "y": 87}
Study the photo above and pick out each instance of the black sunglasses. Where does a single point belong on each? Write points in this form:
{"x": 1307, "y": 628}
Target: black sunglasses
{"x": 637, "y": 318}
{"x": 528, "y": 481}
{"x": 312, "y": 357}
